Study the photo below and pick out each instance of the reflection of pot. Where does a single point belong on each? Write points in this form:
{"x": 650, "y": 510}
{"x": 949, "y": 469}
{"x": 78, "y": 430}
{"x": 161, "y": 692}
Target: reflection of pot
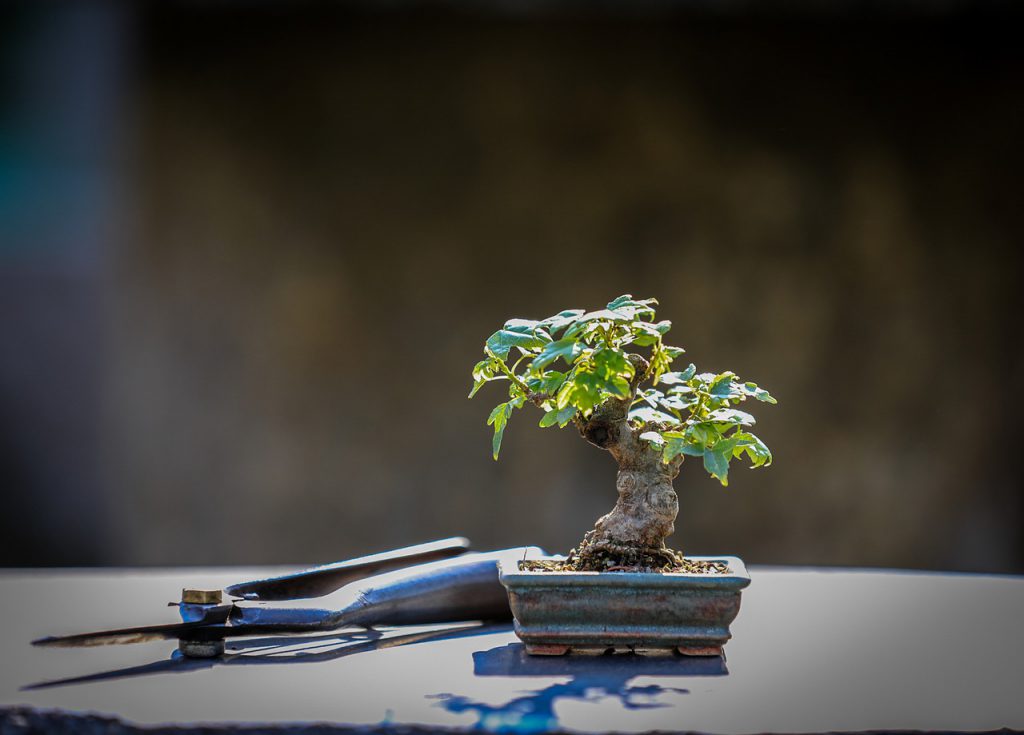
{"x": 591, "y": 679}
{"x": 511, "y": 660}
{"x": 589, "y": 612}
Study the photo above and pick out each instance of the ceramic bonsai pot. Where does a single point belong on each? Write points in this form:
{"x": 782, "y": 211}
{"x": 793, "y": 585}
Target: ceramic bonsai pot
{"x": 594, "y": 612}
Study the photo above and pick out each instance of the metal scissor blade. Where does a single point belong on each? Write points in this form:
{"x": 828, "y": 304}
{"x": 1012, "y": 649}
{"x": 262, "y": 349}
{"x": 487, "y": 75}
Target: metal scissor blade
{"x": 217, "y": 623}
{"x": 212, "y": 616}
{"x": 327, "y": 578}
{"x": 140, "y": 634}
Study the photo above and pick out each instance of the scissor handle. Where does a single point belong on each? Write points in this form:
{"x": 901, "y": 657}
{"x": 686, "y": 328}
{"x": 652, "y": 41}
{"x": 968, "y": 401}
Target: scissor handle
{"x": 323, "y": 580}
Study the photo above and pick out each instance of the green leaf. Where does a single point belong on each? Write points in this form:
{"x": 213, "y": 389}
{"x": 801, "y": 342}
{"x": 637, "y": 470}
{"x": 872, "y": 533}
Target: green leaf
{"x": 593, "y": 320}
{"x": 702, "y": 433}
{"x": 646, "y": 414}
{"x": 721, "y": 385}
{"x": 611, "y": 363}
{"x": 504, "y": 340}
{"x": 561, "y": 320}
{"x": 751, "y": 390}
{"x": 484, "y": 371}
{"x": 632, "y": 308}
{"x": 558, "y": 416}
{"x": 521, "y": 326}
{"x": 675, "y": 402}
{"x": 605, "y": 315}
{"x": 691, "y": 449}
{"x": 717, "y": 457}
{"x": 563, "y": 348}
{"x": 677, "y": 443}
{"x": 499, "y": 417}
{"x": 717, "y": 465}
{"x": 644, "y": 334}
{"x": 756, "y": 450}
{"x": 732, "y": 416}
{"x": 583, "y": 390}
{"x": 678, "y": 377}
{"x": 619, "y": 387}
{"x": 651, "y": 396}
{"x": 654, "y": 438}
{"x": 621, "y": 301}
{"x": 549, "y": 383}
{"x": 597, "y": 375}
{"x": 681, "y": 390}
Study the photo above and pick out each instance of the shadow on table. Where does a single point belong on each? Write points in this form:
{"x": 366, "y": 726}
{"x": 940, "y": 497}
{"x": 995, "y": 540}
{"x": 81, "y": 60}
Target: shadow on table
{"x": 287, "y": 650}
{"x": 593, "y": 678}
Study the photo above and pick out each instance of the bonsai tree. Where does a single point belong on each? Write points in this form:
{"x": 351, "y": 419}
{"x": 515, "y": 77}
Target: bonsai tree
{"x": 609, "y": 374}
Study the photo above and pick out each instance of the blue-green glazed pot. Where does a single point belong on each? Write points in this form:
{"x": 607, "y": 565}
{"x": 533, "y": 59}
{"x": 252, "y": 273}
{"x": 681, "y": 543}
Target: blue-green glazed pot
{"x": 597, "y": 612}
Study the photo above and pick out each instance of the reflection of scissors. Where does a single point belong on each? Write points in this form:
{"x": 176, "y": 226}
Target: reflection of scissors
{"x": 440, "y": 591}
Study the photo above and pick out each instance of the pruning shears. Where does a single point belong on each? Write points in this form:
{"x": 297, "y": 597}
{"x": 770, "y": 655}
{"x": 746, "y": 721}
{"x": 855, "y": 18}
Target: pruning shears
{"x": 437, "y": 582}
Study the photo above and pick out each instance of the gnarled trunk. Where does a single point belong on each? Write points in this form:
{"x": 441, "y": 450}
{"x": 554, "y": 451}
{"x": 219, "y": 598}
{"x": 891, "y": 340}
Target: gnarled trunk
{"x": 634, "y": 532}
{"x": 645, "y": 512}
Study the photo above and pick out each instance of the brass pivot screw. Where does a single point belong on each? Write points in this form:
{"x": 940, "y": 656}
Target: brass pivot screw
{"x": 201, "y": 597}
{"x": 199, "y": 648}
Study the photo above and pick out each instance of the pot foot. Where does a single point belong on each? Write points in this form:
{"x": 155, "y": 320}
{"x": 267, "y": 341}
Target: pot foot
{"x": 535, "y": 649}
{"x": 700, "y": 650}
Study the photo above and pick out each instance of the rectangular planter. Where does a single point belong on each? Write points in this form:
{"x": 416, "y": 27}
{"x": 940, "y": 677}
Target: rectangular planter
{"x": 593, "y": 612}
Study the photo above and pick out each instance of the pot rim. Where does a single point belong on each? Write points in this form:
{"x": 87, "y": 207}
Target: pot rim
{"x": 736, "y": 578}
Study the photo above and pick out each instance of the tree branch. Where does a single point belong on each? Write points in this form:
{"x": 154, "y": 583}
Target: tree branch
{"x": 512, "y": 376}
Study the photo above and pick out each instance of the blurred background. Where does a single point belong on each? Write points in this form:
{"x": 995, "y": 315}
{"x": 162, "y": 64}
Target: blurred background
{"x": 249, "y": 252}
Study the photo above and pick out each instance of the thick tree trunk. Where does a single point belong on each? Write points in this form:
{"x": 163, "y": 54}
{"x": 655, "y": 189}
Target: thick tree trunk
{"x": 645, "y": 513}
{"x": 633, "y": 533}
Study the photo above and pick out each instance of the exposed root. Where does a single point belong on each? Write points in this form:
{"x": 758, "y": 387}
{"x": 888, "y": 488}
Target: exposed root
{"x": 599, "y": 556}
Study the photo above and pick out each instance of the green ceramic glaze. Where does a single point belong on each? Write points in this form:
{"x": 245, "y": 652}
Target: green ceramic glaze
{"x": 592, "y": 612}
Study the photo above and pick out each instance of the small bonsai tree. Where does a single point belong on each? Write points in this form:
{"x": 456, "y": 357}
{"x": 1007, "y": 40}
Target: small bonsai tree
{"x": 609, "y": 374}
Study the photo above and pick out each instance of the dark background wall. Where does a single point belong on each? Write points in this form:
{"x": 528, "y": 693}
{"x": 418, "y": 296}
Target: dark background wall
{"x": 252, "y": 251}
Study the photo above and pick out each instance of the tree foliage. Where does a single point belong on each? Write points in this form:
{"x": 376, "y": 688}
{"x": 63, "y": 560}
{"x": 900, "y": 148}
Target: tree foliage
{"x": 570, "y": 363}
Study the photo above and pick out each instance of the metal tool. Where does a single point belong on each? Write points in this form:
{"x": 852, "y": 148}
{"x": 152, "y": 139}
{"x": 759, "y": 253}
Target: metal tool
{"x": 323, "y": 580}
{"x": 449, "y": 590}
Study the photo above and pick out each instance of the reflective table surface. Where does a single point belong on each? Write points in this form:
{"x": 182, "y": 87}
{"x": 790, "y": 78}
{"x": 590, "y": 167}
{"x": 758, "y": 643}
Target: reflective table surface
{"x": 813, "y": 650}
